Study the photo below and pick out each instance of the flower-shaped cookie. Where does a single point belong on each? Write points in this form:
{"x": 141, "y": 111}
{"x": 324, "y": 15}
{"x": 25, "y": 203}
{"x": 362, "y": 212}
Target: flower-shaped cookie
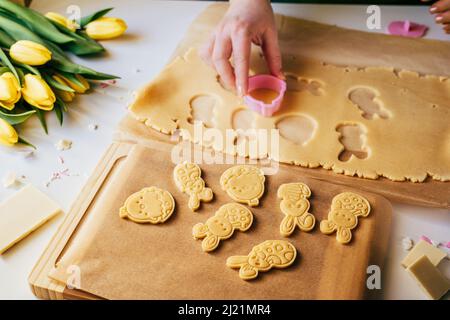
{"x": 188, "y": 178}
{"x": 263, "y": 257}
{"x": 243, "y": 184}
{"x": 149, "y": 205}
{"x": 221, "y": 226}
{"x": 346, "y": 207}
{"x": 295, "y": 206}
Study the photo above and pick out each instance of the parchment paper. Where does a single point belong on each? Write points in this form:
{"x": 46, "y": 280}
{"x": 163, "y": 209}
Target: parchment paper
{"x": 119, "y": 259}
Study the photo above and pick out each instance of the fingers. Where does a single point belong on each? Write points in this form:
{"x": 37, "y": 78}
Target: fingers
{"x": 221, "y": 59}
{"x": 440, "y": 6}
{"x": 443, "y": 17}
{"x": 447, "y": 28}
{"x": 206, "y": 50}
{"x": 272, "y": 53}
{"x": 241, "y": 43}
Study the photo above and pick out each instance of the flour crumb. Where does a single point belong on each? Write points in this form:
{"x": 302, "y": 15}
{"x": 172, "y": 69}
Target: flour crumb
{"x": 10, "y": 179}
{"x": 63, "y": 145}
{"x": 136, "y": 70}
{"x": 93, "y": 127}
{"x": 407, "y": 243}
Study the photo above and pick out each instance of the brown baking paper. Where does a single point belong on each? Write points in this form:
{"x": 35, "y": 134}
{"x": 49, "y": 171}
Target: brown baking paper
{"x": 120, "y": 259}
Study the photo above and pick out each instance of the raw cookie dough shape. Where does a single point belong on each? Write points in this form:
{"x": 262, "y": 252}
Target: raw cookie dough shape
{"x": 203, "y": 110}
{"x": 221, "y": 226}
{"x": 149, "y": 205}
{"x": 163, "y": 105}
{"x": 295, "y": 83}
{"x": 366, "y": 99}
{"x": 188, "y": 178}
{"x": 295, "y": 206}
{"x": 244, "y": 184}
{"x": 298, "y": 129}
{"x": 345, "y": 209}
{"x": 263, "y": 257}
{"x": 352, "y": 137}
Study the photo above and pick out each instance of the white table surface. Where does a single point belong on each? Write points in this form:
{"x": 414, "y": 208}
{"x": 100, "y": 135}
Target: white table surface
{"x": 155, "y": 28}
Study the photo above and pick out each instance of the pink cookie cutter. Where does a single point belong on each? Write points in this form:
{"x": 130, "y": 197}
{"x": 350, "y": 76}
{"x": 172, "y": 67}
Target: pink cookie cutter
{"x": 407, "y": 29}
{"x": 265, "y": 81}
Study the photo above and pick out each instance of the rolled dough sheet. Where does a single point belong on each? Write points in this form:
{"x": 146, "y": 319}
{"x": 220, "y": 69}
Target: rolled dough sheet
{"x": 409, "y": 139}
{"x": 23, "y": 213}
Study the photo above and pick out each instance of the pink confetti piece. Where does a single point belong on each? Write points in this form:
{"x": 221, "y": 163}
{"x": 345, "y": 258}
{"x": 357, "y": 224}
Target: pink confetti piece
{"x": 61, "y": 159}
{"x": 58, "y": 175}
{"x": 407, "y": 29}
{"x": 447, "y": 245}
{"x": 425, "y": 238}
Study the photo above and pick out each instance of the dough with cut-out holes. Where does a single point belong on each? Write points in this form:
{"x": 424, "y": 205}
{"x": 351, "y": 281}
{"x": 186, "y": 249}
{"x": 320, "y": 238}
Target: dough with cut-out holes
{"x": 412, "y": 115}
{"x": 263, "y": 257}
{"x": 188, "y": 178}
{"x": 244, "y": 184}
{"x": 345, "y": 209}
{"x": 295, "y": 206}
{"x": 149, "y": 205}
{"x": 221, "y": 226}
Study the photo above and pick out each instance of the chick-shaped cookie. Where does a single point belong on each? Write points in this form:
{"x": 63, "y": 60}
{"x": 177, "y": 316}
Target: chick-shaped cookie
{"x": 188, "y": 178}
{"x": 243, "y": 183}
{"x": 345, "y": 209}
{"x": 263, "y": 257}
{"x": 295, "y": 205}
{"x": 221, "y": 226}
{"x": 149, "y": 205}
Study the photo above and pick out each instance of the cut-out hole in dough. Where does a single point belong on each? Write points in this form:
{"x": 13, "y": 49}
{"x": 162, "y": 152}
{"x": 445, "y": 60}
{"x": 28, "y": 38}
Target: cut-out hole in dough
{"x": 202, "y": 109}
{"x": 298, "y": 129}
{"x": 243, "y": 119}
{"x": 366, "y": 100}
{"x": 295, "y": 83}
{"x": 352, "y": 137}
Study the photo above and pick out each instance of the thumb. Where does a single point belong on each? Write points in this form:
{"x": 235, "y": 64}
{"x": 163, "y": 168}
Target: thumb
{"x": 272, "y": 53}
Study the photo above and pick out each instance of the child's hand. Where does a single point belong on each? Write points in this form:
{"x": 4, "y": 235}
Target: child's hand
{"x": 441, "y": 10}
{"x": 246, "y": 22}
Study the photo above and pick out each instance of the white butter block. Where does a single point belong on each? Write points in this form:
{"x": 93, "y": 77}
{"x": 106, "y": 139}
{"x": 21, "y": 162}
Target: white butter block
{"x": 429, "y": 278}
{"x": 423, "y": 248}
{"x": 23, "y": 213}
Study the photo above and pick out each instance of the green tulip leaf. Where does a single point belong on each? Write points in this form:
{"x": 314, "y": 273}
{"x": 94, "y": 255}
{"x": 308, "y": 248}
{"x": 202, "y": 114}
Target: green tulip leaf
{"x": 16, "y": 118}
{"x": 4, "y": 58}
{"x": 25, "y": 142}
{"x": 5, "y": 40}
{"x": 36, "y": 21}
{"x": 60, "y": 108}
{"x": 55, "y": 84}
{"x": 96, "y": 15}
{"x": 82, "y": 45}
{"x": 41, "y": 116}
{"x": 28, "y": 68}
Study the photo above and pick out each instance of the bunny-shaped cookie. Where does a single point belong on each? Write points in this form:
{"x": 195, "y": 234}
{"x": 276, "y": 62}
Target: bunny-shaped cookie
{"x": 263, "y": 257}
{"x": 295, "y": 205}
{"x": 346, "y": 207}
{"x": 221, "y": 226}
{"x": 188, "y": 179}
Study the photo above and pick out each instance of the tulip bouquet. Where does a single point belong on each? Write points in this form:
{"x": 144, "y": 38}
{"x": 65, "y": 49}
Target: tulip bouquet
{"x": 36, "y": 74}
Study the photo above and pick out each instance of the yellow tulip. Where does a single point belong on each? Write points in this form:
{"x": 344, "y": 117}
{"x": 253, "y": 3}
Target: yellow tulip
{"x": 58, "y": 18}
{"x": 9, "y": 91}
{"x": 75, "y": 86}
{"x": 8, "y": 135}
{"x": 29, "y": 52}
{"x": 36, "y": 92}
{"x": 106, "y": 28}
{"x": 65, "y": 96}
